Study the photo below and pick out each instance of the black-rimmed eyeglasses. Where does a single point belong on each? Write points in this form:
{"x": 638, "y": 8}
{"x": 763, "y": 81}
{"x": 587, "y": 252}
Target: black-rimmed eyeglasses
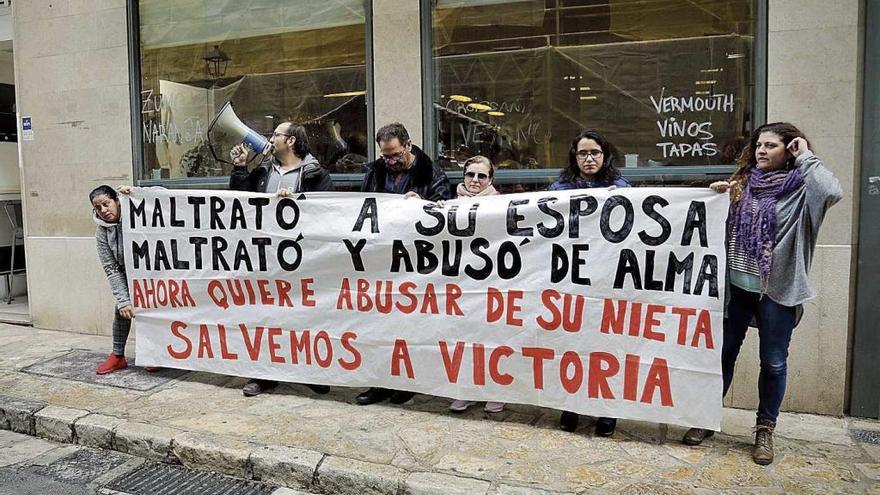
{"x": 583, "y": 154}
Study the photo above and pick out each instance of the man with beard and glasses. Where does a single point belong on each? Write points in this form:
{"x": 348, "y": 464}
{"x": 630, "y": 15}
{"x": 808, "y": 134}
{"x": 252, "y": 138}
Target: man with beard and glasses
{"x": 289, "y": 168}
{"x": 404, "y": 169}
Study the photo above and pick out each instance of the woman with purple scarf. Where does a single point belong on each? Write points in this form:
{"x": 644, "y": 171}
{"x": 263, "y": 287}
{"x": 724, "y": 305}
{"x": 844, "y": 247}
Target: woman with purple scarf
{"x": 779, "y": 195}
{"x": 592, "y": 161}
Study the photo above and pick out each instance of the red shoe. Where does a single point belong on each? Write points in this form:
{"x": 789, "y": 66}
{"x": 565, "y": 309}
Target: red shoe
{"x": 152, "y": 369}
{"x": 113, "y": 363}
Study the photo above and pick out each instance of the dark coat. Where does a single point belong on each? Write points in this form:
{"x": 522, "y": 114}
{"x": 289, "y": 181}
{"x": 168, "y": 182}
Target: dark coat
{"x": 427, "y": 179}
{"x": 564, "y": 183}
{"x": 314, "y": 177}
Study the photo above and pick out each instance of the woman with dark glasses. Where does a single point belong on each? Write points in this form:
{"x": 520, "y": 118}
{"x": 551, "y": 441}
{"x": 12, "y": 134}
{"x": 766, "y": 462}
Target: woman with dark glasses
{"x": 478, "y": 176}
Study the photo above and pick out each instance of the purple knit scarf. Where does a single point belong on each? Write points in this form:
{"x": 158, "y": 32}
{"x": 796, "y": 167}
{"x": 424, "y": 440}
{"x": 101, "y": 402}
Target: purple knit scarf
{"x": 756, "y": 227}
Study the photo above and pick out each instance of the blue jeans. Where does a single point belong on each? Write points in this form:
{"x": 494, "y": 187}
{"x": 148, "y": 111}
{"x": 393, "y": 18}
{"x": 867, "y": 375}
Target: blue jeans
{"x": 775, "y": 325}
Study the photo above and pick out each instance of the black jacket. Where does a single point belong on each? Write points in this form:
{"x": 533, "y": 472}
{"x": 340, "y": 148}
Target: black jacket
{"x": 314, "y": 176}
{"x": 428, "y": 180}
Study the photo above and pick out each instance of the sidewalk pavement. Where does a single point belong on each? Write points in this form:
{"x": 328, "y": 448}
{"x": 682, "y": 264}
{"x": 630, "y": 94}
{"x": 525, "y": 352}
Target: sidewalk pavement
{"x": 327, "y": 444}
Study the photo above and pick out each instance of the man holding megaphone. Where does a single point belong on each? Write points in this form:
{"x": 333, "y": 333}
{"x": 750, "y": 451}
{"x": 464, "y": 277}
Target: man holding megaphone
{"x": 287, "y": 168}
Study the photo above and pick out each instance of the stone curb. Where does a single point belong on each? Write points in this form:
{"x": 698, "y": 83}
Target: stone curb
{"x": 299, "y": 469}
{"x": 289, "y": 491}
{"x": 96, "y": 430}
{"x": 56, "y": 423}
{"x": 18, "y": 414}
{"x": 521, "y": 490}
{"x": 207, "y": 452}
{"x": 143, "y": 440}
{"x": 286, "y": 466}
{"x": 443, "y": 484}
{"x": 339, "y": 475}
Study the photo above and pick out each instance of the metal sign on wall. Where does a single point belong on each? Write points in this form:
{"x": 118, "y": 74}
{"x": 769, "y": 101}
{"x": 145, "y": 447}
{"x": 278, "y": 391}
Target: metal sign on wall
{"x": 27, "y": 129}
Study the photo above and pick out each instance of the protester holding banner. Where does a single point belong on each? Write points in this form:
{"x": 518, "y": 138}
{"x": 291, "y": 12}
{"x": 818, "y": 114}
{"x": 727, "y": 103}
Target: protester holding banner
{"x": 592, "y": 161}
{"x": 478, "y": 176}
{"x": 290, "y": 168}
{"x": 108, "y": 235}
{"x": 779, "y": 195}
{"x": 404, "y": 169}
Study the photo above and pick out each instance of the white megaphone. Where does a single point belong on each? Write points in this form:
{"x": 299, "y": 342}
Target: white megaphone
{"x": 227, "y": 123}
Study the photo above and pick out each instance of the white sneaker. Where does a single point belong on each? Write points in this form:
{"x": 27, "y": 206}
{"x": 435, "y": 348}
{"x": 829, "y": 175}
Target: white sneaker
{"x": 460, "y": 405}
{"x": 494, "y": 407}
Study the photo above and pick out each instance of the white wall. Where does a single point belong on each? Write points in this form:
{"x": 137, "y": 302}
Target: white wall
{"x": 9, "y": 182}
{"x": 396, "y": 42}
{"x": 7, "y": 73}
{"x": 6, "y": 24}
{"x": 9, "y": 174}
{"x": 71, "y": 61}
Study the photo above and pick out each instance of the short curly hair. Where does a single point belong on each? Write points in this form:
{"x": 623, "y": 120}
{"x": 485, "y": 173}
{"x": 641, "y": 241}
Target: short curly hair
{"x": 391, "y": 131}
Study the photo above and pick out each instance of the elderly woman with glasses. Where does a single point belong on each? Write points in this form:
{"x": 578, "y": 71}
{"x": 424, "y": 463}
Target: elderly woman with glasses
{"x": 592, "y": 161}
{"x": 478, "y": 175}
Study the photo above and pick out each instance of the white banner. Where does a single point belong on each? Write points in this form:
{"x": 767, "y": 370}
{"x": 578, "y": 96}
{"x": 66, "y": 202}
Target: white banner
{"x": 607, "y": 303}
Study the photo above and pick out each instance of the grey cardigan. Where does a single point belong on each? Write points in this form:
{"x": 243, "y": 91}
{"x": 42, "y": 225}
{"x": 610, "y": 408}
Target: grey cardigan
{"x": 799, "y": 216}
{"x": 108, "y": 237}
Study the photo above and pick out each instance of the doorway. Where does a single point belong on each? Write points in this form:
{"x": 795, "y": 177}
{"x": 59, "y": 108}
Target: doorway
{"x": 14, "y": 307}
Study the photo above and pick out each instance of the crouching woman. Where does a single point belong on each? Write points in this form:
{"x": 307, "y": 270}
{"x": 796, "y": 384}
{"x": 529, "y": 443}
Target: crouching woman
{"x": 108, "y": 236}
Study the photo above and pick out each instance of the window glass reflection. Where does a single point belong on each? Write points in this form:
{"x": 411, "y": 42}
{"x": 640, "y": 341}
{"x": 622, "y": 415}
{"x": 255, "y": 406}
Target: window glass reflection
{"x": 274, "y": 60}
{"x": 668, "y": 81}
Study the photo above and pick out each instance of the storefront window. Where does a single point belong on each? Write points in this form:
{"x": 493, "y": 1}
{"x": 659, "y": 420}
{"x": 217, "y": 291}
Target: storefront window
{"x": 274, "y": 60}
{"x": 668, "y": 81}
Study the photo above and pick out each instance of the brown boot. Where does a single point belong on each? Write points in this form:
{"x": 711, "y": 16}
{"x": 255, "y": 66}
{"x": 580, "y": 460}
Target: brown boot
{"x": 695, "y": 436}
{"x": 763, "y": 452}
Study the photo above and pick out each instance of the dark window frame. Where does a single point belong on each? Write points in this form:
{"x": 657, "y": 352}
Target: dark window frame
{"x": 429, "y": 88}
{"x": 707, "y": 172}
{"x": 221, "y": 182}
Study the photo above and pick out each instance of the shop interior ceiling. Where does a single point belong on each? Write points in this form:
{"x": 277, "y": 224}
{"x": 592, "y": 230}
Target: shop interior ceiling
{"x": 175, "y": 34}
{"x": 167, "y": 23}
{"x": 535, "y": 23}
